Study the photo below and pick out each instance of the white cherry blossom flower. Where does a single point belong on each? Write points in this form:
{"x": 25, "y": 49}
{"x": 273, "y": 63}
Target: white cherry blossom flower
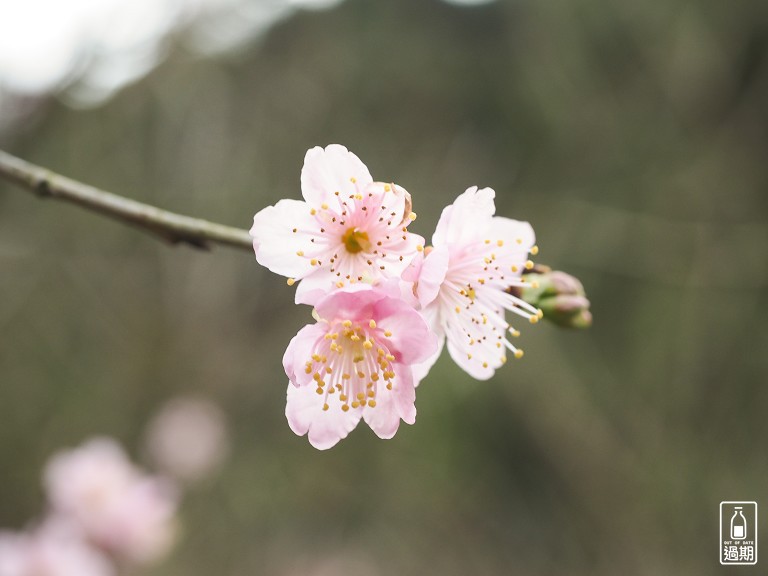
{"x": 462, "y": 284}
{"x": 348, "y": 229}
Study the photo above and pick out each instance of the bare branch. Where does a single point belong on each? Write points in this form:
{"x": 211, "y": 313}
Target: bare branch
{"x": 168, "y": 226}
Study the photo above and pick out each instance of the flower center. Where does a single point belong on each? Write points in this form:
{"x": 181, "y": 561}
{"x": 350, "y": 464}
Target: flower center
{"x": 352, "y": 364}
{"x": 356, "y": 240}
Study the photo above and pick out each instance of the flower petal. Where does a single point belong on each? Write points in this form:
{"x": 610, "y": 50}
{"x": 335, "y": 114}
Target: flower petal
{"x": 472, "y": 366}
{"x": 305, "y": 414}
{"x": 411, "y": 340}
{"x": 467, "y": 218}
{"x": 432, "y": 274}
{"x": 393, "y": 405}
{"x": 421, "y": 369}
{"x": 329, "y": 170}
{"x": 299, "y": 351}
{"x": 275, "y": 242}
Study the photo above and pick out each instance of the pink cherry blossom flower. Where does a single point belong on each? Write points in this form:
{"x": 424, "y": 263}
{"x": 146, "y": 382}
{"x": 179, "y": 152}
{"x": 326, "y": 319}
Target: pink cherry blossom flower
{"x": 462, "y": 283}
{"x": 122, "y": 510}
{"x": 51, "y": 550}
{"x": 348, "y": 229}
{"x": 354, "y": 363}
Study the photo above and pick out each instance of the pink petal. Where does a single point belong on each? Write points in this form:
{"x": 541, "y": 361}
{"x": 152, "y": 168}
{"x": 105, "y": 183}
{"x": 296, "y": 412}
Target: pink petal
{"x": 275, "y": 243}
{"x": 299, "y": 351}
{"x": 432, "y": 274}
{"x": 354, "y": 301}
{"x": 331, "y": 170}
{"x": 393, "y": 405}
{"x": 421, "y": 369}
{"x": 467, "y": 218}
{"x": 305, "y": 414}
{"x": 411, "y": 339}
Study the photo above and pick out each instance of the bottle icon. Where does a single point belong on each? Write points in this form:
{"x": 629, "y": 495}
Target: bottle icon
{"x": 738, "y": 525}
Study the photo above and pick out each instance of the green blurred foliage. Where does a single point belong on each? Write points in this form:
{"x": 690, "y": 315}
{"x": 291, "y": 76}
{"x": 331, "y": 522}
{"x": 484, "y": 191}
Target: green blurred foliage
{"x": 633, "y": 135}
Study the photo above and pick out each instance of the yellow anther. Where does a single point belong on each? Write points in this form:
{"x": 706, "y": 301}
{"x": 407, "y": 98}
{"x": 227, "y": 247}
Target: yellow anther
{"x": 533, "y": 319}
{"x": 487, "y": 241}
{"x": 339, "y": 284}
{"x": 371, "y": 393}
{"x": 345, "y": 376}
{"x": 499, "y": 243}
{"x": 372, "y": 403}
{"x": 534, "y": 250}
{"x": 319, "y": 390}
{"x": 485, "y": 364}
{"x": 345, "y": 407}
{"x": 355, "y": 338}
{"x": 469, "y": 356}
{"x": 419, "y": 248}
{"x": 380, "y": 352}
{"x": 325, "y": 407}
{"x": 540, "y": 313}
{"x": 387, "y": 187}
{"x": 514, "y": 268}
{"x": 518, "y": 353}
{"x": 358, "y": 358}
{"x": 313, "y": 262}
{"x": 300, "y": 253}
{"x": 308, "y": 369}
{"x": 360, "y": 396}
{"x": 503, "y": 359}
{"x": 328, "y": 370}
{"x": 519, "y": 240}
{"x": 389, "y": 385}
{"x": 353, "y": 180}
{"x": 458, "y": 309}
{"x": 324, "y": 206}
{"x": 372, "y": 323}
{"x": 358, "y": 196}
{"x": 343, "y": 397}
{"x": 355, "y": 404}
{"x": 367, "y": 344}
{"x": 360, "y": 374}
{"x": 316, "y": 357}
{"x": 534, "y": 284}
{"x": 529, "y": 265}
{"x": 412, "y": 216}
{"x": 316, "y": 377}
{"x": 515, "y": 333}
{"x": 387, "y": 333}
{"x": 375, "y": 377}
{"x": 347, "y": 323}
{"x": 313, "y": 211}
{"x": 290, "y": 281}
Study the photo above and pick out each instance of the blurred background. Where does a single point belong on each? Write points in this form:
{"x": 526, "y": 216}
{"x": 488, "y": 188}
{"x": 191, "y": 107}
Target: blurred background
{"x": 632, "y": 135}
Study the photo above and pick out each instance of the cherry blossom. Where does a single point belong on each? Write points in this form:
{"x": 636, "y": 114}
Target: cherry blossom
{"x": 119, "y": 508}
{"x": 462, "y": 284}
{"x": 348, "y": 229}
{"x": 355, "y": 363}
{"x": 54, "y": 549}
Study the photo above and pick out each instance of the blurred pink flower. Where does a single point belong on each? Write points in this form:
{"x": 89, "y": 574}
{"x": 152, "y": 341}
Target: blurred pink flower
{"x": 462, "y": 283}
{"x": 348, "y": 229}
{"x": 52, "y": 550}
{"x": 120, "y": 509}
{"x": 354, "y": 363}
{"x": 188, "y": 438}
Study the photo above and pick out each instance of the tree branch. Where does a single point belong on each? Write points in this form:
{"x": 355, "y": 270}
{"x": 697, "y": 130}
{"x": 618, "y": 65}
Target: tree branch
{"x": 168, "y": 226}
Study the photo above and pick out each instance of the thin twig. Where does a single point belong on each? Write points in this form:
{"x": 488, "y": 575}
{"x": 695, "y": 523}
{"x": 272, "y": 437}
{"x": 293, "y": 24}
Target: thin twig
{"x": 169, "y": 226}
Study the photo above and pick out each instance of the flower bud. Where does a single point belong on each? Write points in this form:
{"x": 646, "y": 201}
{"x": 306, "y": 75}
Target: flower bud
{"x": 560, "y": 297}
